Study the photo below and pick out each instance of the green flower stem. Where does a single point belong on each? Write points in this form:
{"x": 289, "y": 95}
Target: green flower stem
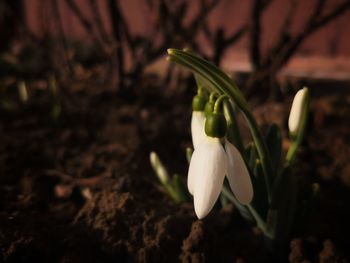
{"x": 200, "y": 90}
{"x": 259, "y": 221}
{"x": 246, "y": 209}
{"x": 212, "y": 96}
{"x": 221, "y": 83}
{"x": 243, "y": 209}
{"x": 218, "y": 103}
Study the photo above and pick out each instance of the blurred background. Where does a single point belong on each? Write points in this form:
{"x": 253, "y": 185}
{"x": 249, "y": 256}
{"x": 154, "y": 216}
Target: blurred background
{"x": 262, "y": 38}
{"x": 86, "y": 94}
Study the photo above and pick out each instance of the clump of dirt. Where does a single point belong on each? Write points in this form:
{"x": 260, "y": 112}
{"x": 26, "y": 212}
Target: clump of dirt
{"x": 311, "y": 250}
{"x": 132, "y": 232}
{"x": 79, "y": 188}
{"x": 196, "y": 246}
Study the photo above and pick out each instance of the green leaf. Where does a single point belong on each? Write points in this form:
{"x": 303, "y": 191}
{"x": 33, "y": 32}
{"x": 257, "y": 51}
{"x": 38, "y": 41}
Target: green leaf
{"x": 174, "y": 186}
{"x": 274, "y": 144}
{"x": 260, "y": 199}
{"x": 180, "y": 190}
{"x": 282, "y": 210}
{"x": 252, "y": 155}
{"x": 224, "y": 200}
{"x": 189, "y": 152}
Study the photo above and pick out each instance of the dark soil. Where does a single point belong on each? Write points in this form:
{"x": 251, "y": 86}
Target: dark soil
{"x": 79, "y": 188}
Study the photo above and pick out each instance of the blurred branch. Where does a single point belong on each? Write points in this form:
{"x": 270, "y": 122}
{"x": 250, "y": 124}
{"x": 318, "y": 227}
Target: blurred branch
{"x": 61, "y": 36}
{"x": 315, "y": 22}
{"x": 221, "y": 42}
{"x": 83, "y": 20}
{"x": 205, "y": 10}
{"x": 255, "y": 32}
{"x": 98, "y": 21}
{"x": 287, "y": 44}
{"x": 116, "y": 28}
{"x": 284, "y": 36}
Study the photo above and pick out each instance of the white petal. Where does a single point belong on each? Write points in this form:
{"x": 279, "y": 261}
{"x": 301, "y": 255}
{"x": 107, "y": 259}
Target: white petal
{"x": 197, "y": 128}
{"x": 296, "y": 110}
{"x": 206, "y": 174}
{"x": 238, "y": 175}
{"x": 193, "y": 170}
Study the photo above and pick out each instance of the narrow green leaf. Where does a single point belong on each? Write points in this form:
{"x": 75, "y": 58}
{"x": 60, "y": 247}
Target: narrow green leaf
{"x": 224, "y": 201}
{"x": 274, "y": 144}
{"x": 181, "y": 192}
{"x": 260, "y": 199}
{"x": 189, "y": 152}
{"x": 282, "y": 210}
{"x": 253, "y": 155}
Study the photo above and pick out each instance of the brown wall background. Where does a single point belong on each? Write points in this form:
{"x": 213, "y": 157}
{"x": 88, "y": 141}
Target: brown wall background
{"x": 332, "y": 40}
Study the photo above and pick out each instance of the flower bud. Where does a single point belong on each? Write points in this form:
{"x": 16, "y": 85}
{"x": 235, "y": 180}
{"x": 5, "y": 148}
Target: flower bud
{"x": 159, "y": 168}
{"x": 215, "y": 125}
{"x": 198, "y": 102}
{"x": 22, "y": 91}
{"x": 209, "y": 108}
{"x": 296, "y": 112}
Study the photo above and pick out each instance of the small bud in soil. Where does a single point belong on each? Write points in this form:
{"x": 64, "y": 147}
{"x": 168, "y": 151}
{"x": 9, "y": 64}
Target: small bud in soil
{"x": 315, "y": 189}
{"x": 22, "y": 91}
{"x": 159, "y": 168}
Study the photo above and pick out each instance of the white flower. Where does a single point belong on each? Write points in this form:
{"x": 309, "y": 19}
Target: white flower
{"x": 197, "y": 127}
{"x": 297, "y": 110}
{"x": 210, "y": 163}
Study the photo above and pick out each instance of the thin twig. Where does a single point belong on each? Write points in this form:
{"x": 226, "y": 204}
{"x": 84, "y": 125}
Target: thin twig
{"x": 314, "y": 24}
{"x": 98, "y": 21}
{"x": 61, "y": 35}
{"x": 113, "y": 12}
{"x": 284, "y": 36}
{"x": 255, "y": 33}
{"x": 83, "y": 20}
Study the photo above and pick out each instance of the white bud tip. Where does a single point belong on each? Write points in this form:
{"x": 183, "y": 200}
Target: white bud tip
{"x": 159, "y": 168}
{"x": 22, "y": 90}
{"x": 297, "y": 110}
{"x": 153, "y": 157}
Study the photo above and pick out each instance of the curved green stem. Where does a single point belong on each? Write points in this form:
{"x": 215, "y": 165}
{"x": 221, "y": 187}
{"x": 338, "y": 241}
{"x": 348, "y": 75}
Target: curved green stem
{"x": 218, "y": 103}
{"x": 200, "y": 90}
{"x": 212, "y": 96}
